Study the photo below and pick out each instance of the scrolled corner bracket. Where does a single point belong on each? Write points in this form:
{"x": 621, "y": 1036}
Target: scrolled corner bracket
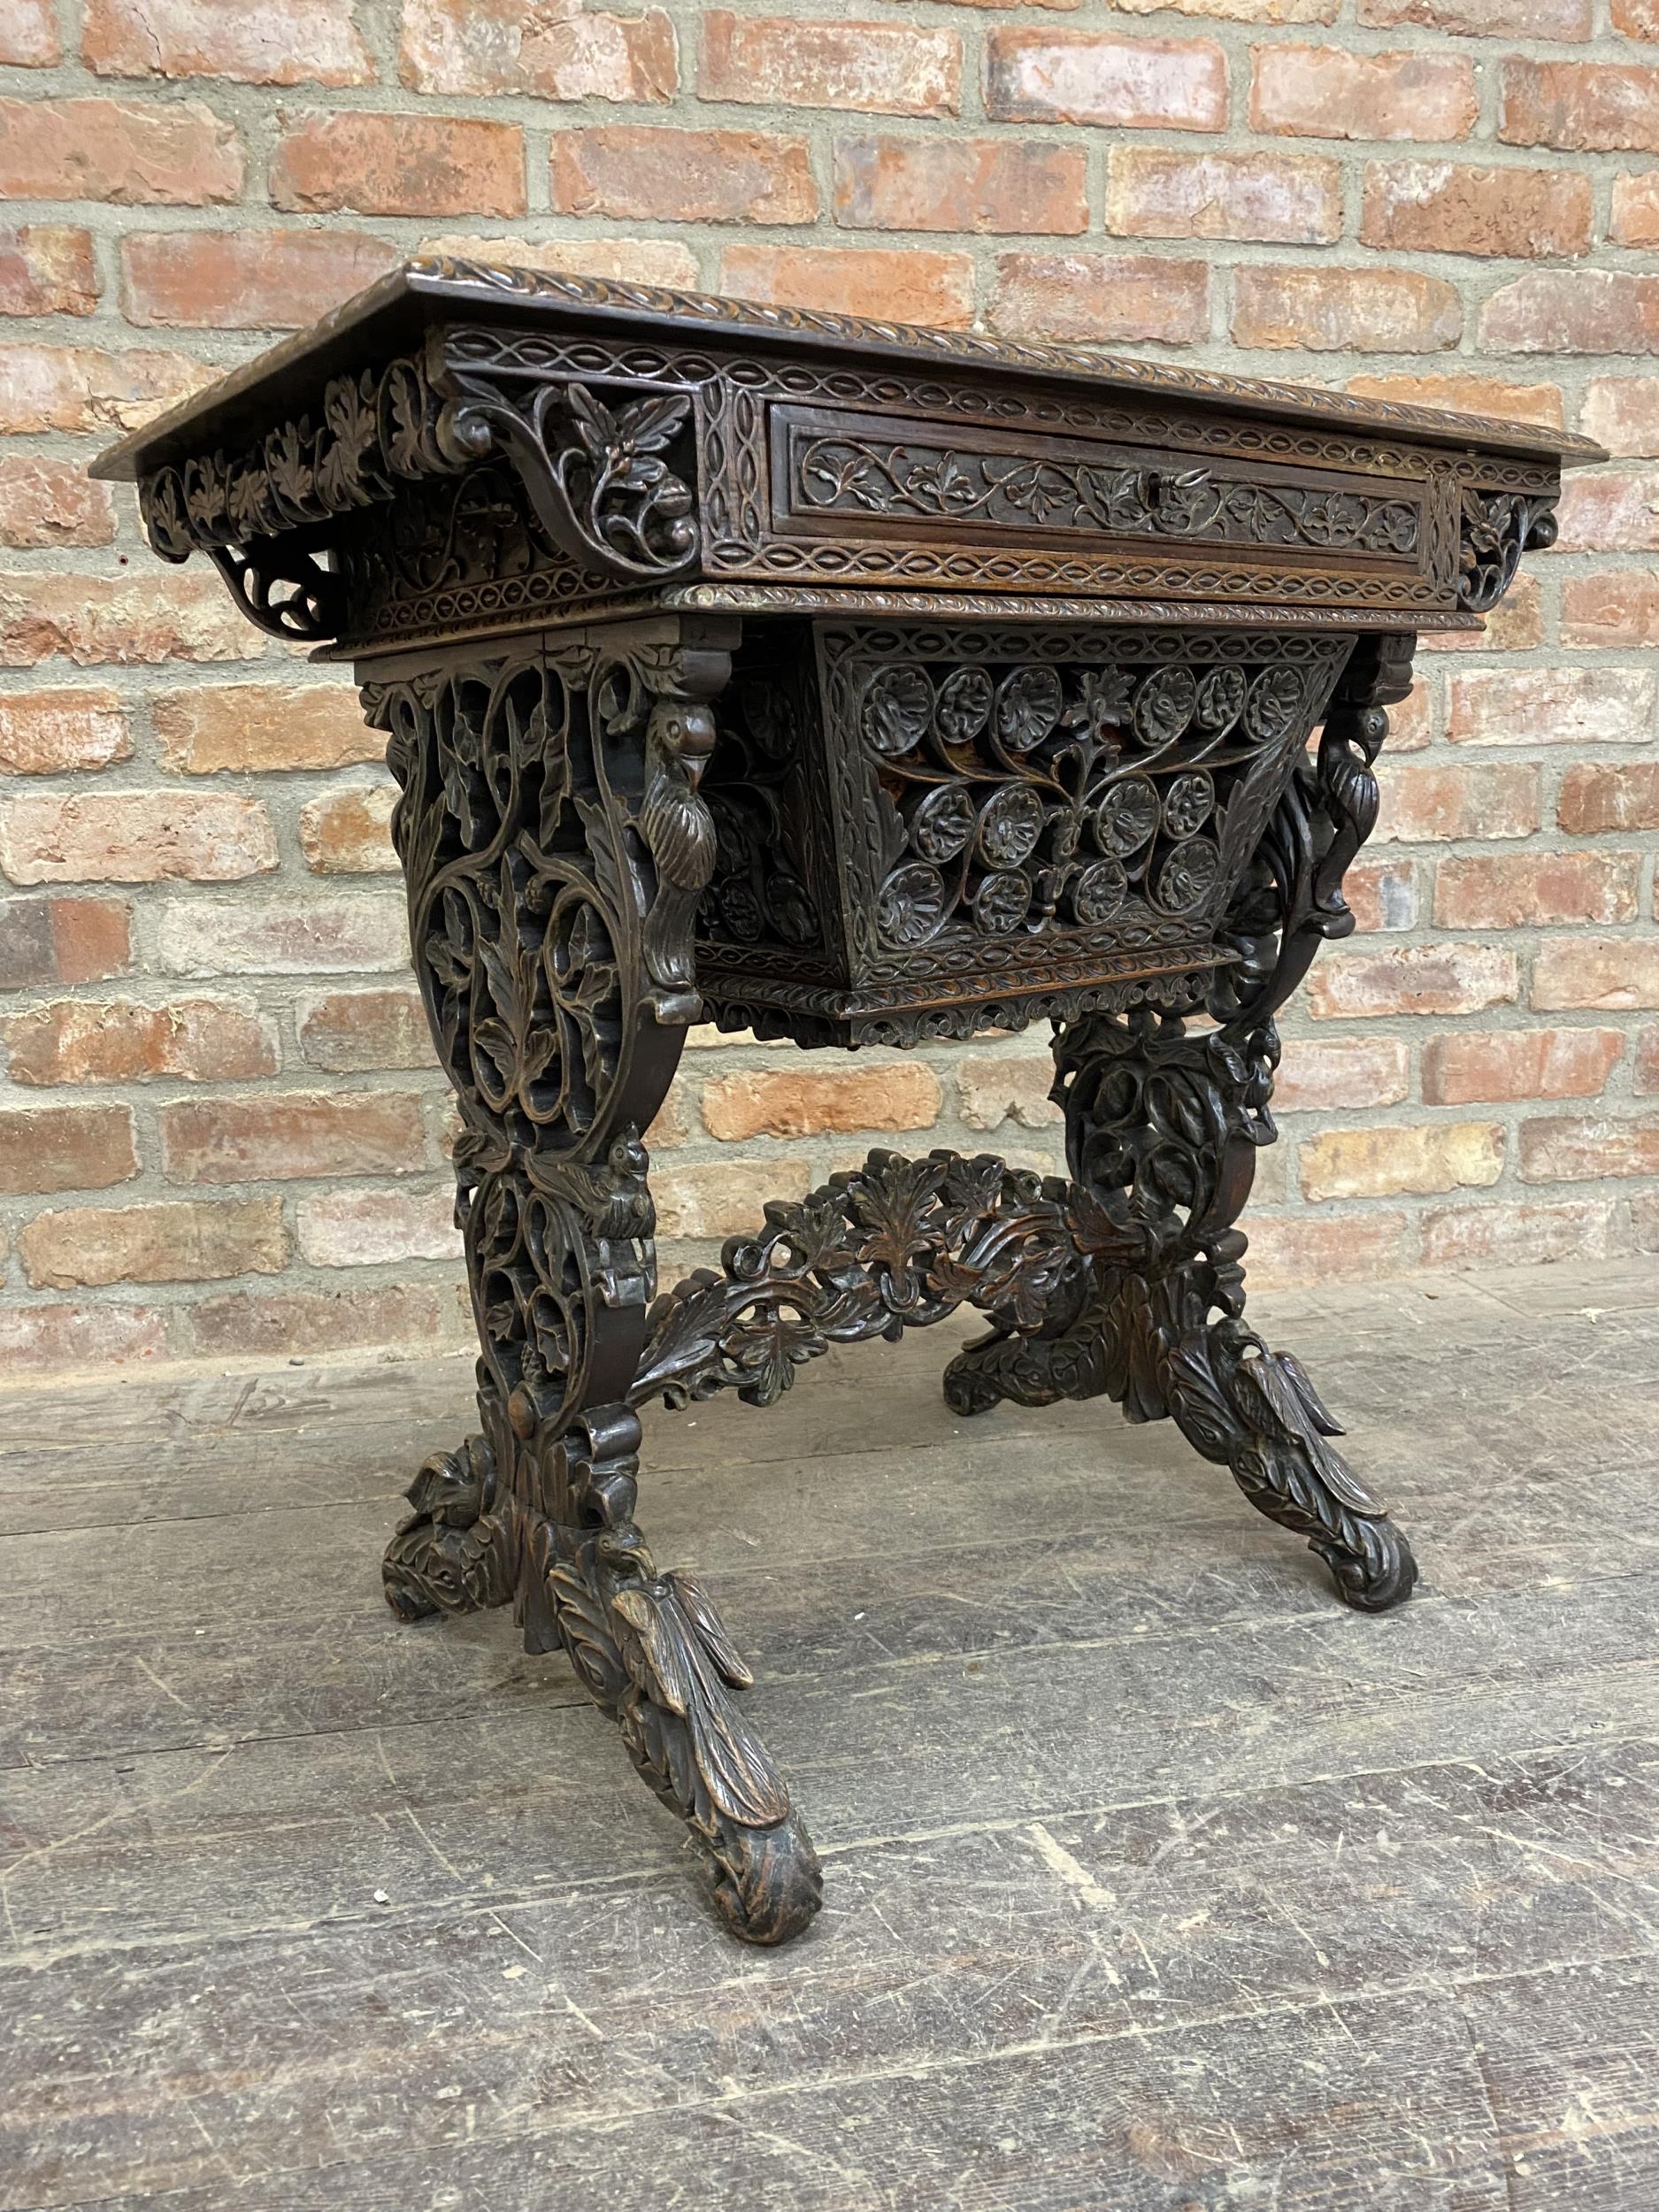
{"x": 595, "y": 473}
{"x": 285, "y": 592}
{"x": 1498, "y": 527}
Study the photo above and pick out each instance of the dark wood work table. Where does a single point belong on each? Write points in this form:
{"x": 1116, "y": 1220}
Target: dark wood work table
{"x": 847, "y": 683}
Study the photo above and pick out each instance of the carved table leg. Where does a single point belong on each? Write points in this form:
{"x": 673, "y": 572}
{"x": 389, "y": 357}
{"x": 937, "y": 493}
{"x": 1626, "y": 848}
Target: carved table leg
{"x": 554, "y": 847}
{"x": 1162, "y": 1130}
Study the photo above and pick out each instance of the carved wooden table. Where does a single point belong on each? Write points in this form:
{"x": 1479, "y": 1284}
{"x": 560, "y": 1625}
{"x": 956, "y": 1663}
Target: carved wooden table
{"x": 842, "y": 682}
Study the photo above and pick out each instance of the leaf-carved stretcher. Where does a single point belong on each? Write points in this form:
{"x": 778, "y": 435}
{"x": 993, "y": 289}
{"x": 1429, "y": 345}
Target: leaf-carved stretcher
{"x": 842, "y": 682}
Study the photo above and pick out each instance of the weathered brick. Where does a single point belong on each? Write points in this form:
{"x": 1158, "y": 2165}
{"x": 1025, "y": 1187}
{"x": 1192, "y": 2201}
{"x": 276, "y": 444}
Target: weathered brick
{"x": 1552, "y": 706}
{"x": 789, "y": 1102}
{"x": 1622, "y": 412}
{"x": 180, "y": 154}
{"x": 1135, "y": 298}
{"x": 117, "y": 1040}
{"x": 874, "y": 68}
{"x": 369, "y": 1228}
{"x": 1514, "y": 625}
{"x": 1328, "y": 92}
{"x": 280, "y": 41}
{"x": 1468, "y": 395}
{"x": 1412, "y": 979}
{"x": 1634, "y": 217}
{"x": 65, "y": 1148}
{"x": 249, "y": 279}
{"x": 29, "y": 34}
{"x": 1565, "y": 1148}
{"x": 44, "y": 733}
{"x": 550, "y": 53}
{"x": 1574, "y": 310}
{"x": 349, "y": 1032}
{"x": 1595, "y": 796}
{"x": 47, "y": 269}
{"x": 201, "y": 936}
{"x": 135, "y": 837}
{"x": 1583, "y": 106}
{"x": 82, "y": 389}
{"x": 1238, "y": 11}
{"x": 63, "y": 941}
{"x": 346, "y": 831}
{"x": 47, "y": 502}
{"x": 722, "y": 1198}
{"x": 1065, "y": 76}
{"x": 185, "y": 1240}
{"x": 1614, "y": 608}
{"x": 1445, "y": 207}
{"x": 1382, "y": 895}
{"x": 1513, "y": 890}
{"x": 1158, "y": 192}
{"x": 1318, "y": 309}
{"x": 908, "y": 286}
{"x": 1616, "y": 510}
{"x": 286, "y": 1323}
{"x": 1637, "y": 19}
{"x": 1647, "y": 1060}
{"x": 99, "y": 1334}
{"x": 1288, "y": 1250}
{"x": 678, "y": 176}
{"x": 1604, "y": 975}
{"x": 1487, "y": 1066}
{"x": 622, "y": 260}
{"x": 1508, "y": 1236}
{"x": 1411, "y": 724}
{"x": 1320, "y": 1074}
{"x": 1425, "y": 805}
{"x": 995, "y": 1091}
{"x": 170, "y": 615}
{"x": 1006, "y": 187}
{"x": 1564, "y": 21}
{"x": 1390, "y": 1162}
{"x": 399, "y": 165}
{"x": 260, "y": 726}
{"x": 291, "y": 1135}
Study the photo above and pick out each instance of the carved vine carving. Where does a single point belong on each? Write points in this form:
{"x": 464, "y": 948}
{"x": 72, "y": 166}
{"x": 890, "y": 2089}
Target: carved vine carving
{"x": 1498, "y": 527}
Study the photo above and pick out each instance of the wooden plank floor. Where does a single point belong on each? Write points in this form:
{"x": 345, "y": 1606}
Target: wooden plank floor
{"x": 1157, "y": 1880}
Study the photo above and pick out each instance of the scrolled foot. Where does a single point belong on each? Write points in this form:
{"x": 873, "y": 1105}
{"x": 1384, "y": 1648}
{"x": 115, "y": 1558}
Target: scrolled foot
{"x": 451, "y": 1554}
{"x": 767, "y": 1882}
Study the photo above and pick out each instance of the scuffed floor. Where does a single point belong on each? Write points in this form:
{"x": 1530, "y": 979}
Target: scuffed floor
{"x": 1157, "y": 1880}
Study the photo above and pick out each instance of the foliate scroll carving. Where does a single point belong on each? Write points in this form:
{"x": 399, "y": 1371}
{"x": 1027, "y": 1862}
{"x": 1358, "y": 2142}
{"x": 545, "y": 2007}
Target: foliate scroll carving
{"x": 1498, "y": 527}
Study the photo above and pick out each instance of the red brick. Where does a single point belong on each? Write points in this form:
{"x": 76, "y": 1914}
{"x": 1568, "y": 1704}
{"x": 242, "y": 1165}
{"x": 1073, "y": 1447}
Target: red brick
{"x": 345, "y": 831}
{"x": 279, "y": 42}
{"x": 368, "y": 1228}
{"x": 1564, "y": 21}
{"x": 47, "y": 269}
{"x": 95, "y": 620}
{"x": 1596, "y": 797}
{"x": 1616, "y": 608}
{"x": 1515, "y": 890}
{"x": 907, "y": 286}
{"x": 1156, "y": 192}
{"x": 1428, "y": 805}
{"x": 1468, "y": 395}
{"x": 1507, "y": 1235}
{"x": 179, "y": 155}
{"x": 349, "y": 1032}
{"x": 65, "y": 1148}
{"x": 29, "y": 34}
{"x": 874, "y": 68}
{"x": 1515, "y": 625}
{"x": 291, "y": 1135}
{"x": 115, "y": 1041}
{"x": 549, "y": 53}
{"x": 1328, "y": 92}
{"x": 780, "y": 1103}
{"x": 1412, "y": 979}
{"x": 1637, "y": 19}
{"x": 1583, "y": 106}
{"x": 722, "y": 1198}
{"x": 81, "y": 388}
{"x": 1135, "y": 298}
{"x": 1052, "y": 76}
{"x": 1604, "y": 975}
{"x": 260, "y": 726}
{"x": 1289, "y": 1250}
{"x": 1482, "y": 1066}
{"x": 1443, "y": 207}
{"x": 47, "y": 502}
{"x": 668, "y": 261}
{"x": 44, "y": 733}
{"x": 1562, "y": 1150}
{"x": 135, "y": 837}
{"x": 249, "y": 279}
{"x": 187, "y": 1240}
{"x": 1411, "y": 723}
{"x": 1007, "y": 187}
{"x": 1320, "y": 1074}
{"x": 1552, "y": 706}
{"x": 1616, "y": 510}
{"x": 1382, "y": 895}
{"x": 399, "y": 165}
{"x": 1574, "y": 310}
{"x": 200, "y": 937}
{"x": 305, "y": 1322}
{"x": 63, "y": 941}
{"x": 101, "y": 1336}
{"x": 1634, "y": 219}
{"x": 1417, "y": 1158}
{"x": 1647, "y": 1061}
{"x": 670, "y": 176}
{"x": 1622, "y": 412}
{"x": 995, "y": 1091}
{"x": 1318, "y": 309}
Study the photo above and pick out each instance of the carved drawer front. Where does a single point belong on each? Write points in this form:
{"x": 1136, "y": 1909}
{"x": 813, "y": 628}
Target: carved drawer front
{"x": 929, "y": 830}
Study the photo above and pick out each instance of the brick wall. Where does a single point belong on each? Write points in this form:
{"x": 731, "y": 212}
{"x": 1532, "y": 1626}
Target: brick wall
{"x": 219, "y": 1125}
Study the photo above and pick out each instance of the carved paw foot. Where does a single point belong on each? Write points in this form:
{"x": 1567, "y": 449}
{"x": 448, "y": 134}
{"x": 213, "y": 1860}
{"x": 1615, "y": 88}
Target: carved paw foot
{"x": 451, "y": 1554}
